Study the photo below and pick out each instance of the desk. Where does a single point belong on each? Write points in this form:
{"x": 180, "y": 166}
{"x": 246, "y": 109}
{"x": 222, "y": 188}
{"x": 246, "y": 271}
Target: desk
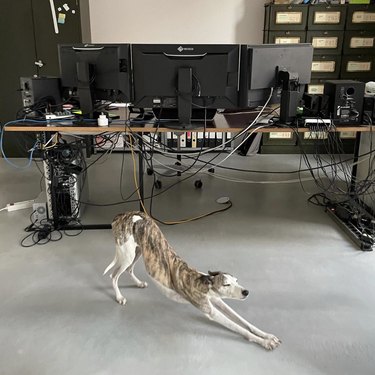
{"x": 233, "y": 123}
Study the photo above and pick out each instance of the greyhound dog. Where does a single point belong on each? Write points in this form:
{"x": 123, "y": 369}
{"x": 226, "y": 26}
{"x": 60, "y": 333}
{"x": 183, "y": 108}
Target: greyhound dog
{"x": 137, "y": 234}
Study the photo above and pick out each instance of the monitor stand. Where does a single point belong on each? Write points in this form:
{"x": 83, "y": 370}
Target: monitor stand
{"x": 84, "y": 90}
{"x": 184, "y": 117}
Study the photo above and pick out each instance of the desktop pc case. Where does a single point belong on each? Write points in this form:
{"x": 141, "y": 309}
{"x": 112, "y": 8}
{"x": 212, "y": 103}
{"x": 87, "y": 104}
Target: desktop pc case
{"x": 64, "y": 192}
{"x": 345, "y": 101}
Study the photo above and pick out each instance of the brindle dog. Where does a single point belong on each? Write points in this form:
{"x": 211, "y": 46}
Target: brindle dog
{"x": 137, "y": 234}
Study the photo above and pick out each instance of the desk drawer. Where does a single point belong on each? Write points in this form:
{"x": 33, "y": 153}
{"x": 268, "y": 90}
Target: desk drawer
{"x": 325, "y": 66}
{"x": 359, "y": 42}
{"x": 316, "y": 87}
{"x": 325, "y": 42}
{"x": 326, "y": 17}
{"x": 279, "y": 138}
{"x": 286, "y": 37}
{"x": 360, "y": 17}
{"x": 285, "y": 17}
{"x": 360, "y": 67}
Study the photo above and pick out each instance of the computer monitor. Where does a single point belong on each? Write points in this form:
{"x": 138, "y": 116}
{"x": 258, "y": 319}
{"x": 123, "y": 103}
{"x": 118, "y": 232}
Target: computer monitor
{"x": 279, "y": 66}
{"x": 96, "y": 72}
{"x": 185, "y": 82}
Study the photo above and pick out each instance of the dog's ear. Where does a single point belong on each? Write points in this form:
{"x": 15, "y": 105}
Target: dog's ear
{"x": 206, "y": 280}
{"x": 214, "y": 273}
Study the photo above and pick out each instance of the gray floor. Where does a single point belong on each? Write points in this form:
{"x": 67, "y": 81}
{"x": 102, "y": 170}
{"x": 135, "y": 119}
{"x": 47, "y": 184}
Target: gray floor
{"x": 309, "y": 284}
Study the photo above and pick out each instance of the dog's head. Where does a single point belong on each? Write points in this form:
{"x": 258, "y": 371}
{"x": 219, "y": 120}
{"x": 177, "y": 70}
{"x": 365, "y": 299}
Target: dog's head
{"x": 226, "y": 285}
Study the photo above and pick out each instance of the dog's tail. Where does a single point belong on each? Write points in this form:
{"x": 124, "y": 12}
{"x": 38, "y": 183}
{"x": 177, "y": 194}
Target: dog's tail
{"x": 114, "y": 261}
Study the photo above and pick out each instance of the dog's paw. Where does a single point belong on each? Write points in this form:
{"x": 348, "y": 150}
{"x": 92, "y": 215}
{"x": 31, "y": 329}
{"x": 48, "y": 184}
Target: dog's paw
{"x": 273, "y": 338}
{"x": 142, "y": 284}
{"x": 271, "y": 343}
{"x": 121, "y": 300}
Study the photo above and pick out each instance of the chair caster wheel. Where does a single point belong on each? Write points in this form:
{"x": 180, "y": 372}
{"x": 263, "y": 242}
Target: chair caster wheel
{"x": 211, "y": 170}
{"x": 157, "y": 184}
{"x": 150, "y": 171}
{"x": 198, "y": 184}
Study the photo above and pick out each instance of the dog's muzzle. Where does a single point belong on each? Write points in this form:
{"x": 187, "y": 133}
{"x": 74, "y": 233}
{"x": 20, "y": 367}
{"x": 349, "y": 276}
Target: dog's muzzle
{"x": 245, "y": 293}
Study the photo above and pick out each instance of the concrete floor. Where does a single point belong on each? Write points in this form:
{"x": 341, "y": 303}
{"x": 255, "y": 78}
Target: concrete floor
{"x": 309, "y": 284}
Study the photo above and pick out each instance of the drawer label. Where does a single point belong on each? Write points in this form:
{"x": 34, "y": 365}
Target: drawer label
{"x": 281, "y": 135}
{"x": 288, "y": 18}
{"x": 315, "y": 89}
{"x": 363, "y": 17}
{"x": 323, "y": 66}
{"x": 327, "y": 17}
{"x": 356, "y": 42}
{"x": 358, "y": 66}
{"x": 347, "y": 135}
{"x": 287, "y": 40}
{"x": 325, "y": 42}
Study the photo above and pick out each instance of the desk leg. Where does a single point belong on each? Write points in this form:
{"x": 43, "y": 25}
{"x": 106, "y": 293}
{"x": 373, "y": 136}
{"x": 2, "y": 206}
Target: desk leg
{"x": 140, "y": 173}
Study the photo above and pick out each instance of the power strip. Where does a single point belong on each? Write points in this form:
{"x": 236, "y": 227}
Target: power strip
{"x": 19, "y": 205}
{"x": 317, "y": 121}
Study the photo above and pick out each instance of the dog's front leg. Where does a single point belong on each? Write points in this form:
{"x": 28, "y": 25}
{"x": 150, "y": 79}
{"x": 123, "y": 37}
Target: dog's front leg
{"x": 217, "y": 316}
{"x": 231, "y": 314}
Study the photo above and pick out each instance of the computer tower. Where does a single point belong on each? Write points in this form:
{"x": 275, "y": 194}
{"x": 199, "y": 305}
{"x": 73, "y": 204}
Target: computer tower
{"x": 43, "y": 90}
{"x": 345, "y": 102}
{"x": 66, "y": 183}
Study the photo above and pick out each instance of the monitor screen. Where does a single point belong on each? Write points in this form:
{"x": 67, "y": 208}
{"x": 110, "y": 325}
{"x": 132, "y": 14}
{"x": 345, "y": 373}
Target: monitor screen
{"x": 260, "y": 64}
{"x": 97, "y": 71}
{"x": 179, "y": 81}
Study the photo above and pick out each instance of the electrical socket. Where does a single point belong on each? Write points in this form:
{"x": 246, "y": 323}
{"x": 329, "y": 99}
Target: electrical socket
{"x": 19, "y": 205}
{"x": 39, "y": 212}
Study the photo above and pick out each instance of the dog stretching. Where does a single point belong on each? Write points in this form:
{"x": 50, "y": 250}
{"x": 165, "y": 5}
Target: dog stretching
{"x": 137, "y": 234}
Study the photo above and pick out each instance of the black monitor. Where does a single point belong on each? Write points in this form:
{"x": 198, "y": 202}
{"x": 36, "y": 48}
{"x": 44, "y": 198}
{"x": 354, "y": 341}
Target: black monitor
{"x": 279, "y": 66}
{"x": 96, "y": 72}
{"x": 180, "y": 82}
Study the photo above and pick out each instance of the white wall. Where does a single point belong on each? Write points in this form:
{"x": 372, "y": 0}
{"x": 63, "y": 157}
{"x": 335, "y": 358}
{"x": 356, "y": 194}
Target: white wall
{"x": 176, "y": 21}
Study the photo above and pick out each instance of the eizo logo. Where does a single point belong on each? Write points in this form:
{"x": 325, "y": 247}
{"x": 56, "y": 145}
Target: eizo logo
{"x": 180, "y": 49}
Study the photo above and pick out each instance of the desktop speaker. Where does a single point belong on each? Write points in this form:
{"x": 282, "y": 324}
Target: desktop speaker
{"x": 40, "y": 91}
{"x": 345, "y": 101}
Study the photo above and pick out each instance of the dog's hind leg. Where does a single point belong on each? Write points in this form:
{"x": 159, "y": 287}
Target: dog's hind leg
{"x": 130, "y": 269}
{"x": 231, "y": 314}
{"x": 126, "y": 253}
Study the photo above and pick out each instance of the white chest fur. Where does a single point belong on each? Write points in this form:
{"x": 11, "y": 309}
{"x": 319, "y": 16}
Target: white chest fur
{"x": 170, "y": 293}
